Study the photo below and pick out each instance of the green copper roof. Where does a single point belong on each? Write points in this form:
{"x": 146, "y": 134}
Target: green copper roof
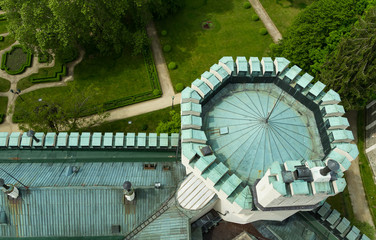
{"x": 255, "y": 66}
{"x": 190, "y": 106}
{"x": 317, "y": 88}
{"x": 281, "y": 64}
{"x": 242, "y": 64}
{"x": 217, "y": 68}
{"x": 213, "y": 80}
{"x": 268, "y": 66}
{"x": 293, "y": 72}
{"x": 189, "y": 93}
{"x": 304, "y": 80}
{"x": 252, "y": 144}
{"x": 331, "y": 95}
{"x": 229, "y": 62}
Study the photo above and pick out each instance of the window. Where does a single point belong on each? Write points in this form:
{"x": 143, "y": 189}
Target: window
{"x": 150, "y": 166}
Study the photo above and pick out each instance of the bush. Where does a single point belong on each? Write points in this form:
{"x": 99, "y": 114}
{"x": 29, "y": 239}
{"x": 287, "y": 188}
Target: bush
{"x": 247, "y": 5}
{"x": 44, "y": 58}
{"x": 2, "y": 117}
{"x": 166, "y": 48}
{"x": 1, "y": 38}
{"x": 144, "y": 127}
{"x": 172, "y": 66}
{"x": 164, "y": 33}
{"x": 255, "y": 17}
{"x": 263, "y": 31}
{"x": 156, "y": 92}
{"x": 179, "y": 87}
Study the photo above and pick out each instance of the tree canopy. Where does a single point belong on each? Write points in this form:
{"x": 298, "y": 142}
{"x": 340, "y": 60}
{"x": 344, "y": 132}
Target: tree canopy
{"x": 317, "y": 30}
{"x": 172, "y": 125}
{"x": 54, "y": 113}
{"x": 109, "y": 25}
{"x": 351, "y": 69}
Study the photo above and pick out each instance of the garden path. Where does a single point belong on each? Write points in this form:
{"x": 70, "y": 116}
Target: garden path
{"x": 116, "y": 114}
{"x": 264, "y": 16}
{"x": 354, "y": 179}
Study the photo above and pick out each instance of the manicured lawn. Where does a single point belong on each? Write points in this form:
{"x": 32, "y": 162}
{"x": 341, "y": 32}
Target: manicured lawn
{"x": 16, "y": 59}
{"x": 3, "y": 26}
{"x": 3, "y": 104}
{"x": 115, "y": 77}
{"x": 283, "y": 12}
{"x": 6, "y": 42}
{"x": 147, "y": 122}
{"x": 194, "y": 49}
{"x": 4, "y": 85}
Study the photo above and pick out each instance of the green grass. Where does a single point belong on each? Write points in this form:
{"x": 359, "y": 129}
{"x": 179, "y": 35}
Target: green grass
{"x": 365, "y": 169}
{"x": 4, "y": 85}
{"x": 194, "y": 50}
{"x": 3, "y": 104}
{"x": 16, "y": 59}
{"x": 283, "y": 12}
{"x": 3, "y": 26}
{"x": 151, "y": 120}
{"x": 7, "y": 42}
{"x": 42, "y": 72}
{"x": 115, "y": 77}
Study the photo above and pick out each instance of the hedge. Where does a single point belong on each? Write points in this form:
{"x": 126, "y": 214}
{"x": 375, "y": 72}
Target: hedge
{"x": 164, "y": 33}
{"x": 179, "y": 87}
{"x": 2, "y": 117}
{"x": 57, "y": 75}
{"x": 1, "y": 38}
{"x": 23, "y": 66}
{"x": 3, "y": 17}
{"x": 167, "y": 48}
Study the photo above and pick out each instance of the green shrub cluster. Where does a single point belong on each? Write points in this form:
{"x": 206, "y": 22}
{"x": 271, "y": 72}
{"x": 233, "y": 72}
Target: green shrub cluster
{"x": 263, "y": 31}
{"x": 164, "y": 33}
{"x": 3, "y": 17}
{"x": 2, "y": 117}
{"x": 255, "y": 17}
{"x": 23, "y": 66}
{"x": 247, "y": 5}
{"x": 179, "y": 87}
{"x": 166, "y": 48}
{"x": 172, "y": 66}
{"x": 44, "y": 57}
{"x": 1, "y": 38}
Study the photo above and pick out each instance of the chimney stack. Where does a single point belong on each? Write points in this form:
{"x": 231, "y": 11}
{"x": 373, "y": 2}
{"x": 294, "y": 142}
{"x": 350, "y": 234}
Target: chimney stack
{"x": 128, "y": 191}
{"x": 331, "y": 166}
{"x": 9, "y": 189}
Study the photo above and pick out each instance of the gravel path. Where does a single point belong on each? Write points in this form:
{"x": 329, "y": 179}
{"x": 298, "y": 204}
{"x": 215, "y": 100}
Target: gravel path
{"x": 269, "y": 24}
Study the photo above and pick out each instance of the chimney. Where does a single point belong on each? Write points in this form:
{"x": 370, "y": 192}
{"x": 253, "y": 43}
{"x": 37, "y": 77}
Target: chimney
{"x": 9, "y": 189}
{"x": 332, "y": 166}
{"x": 128, "y": 191}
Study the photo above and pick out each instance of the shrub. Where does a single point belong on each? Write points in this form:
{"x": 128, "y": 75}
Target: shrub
{"x": 172, "y": 66}
{"x": 156, "y": 92}
{"x": 263, "y": 31}
{"x": 166, "y": 48}
{"x": 144, "y": 127}
{"x": 255, "y": 17}
{"x": 2, "y": 117}
{"x": 247, "y": 5}
{"x": 164, "y": 33}
{"x": 1, "y": 38}
{"x": 179, "y": 87}
{"x": 44, "y": 58}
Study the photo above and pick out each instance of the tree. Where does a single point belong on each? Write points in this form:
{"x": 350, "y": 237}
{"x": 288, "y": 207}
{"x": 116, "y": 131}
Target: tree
{"x": 317, "y": 30}
{"x": 351, "y": 69}
{"x": 56, "y": 113}
{"x": 170, "y": 126}
{"x": 109, "y": 25}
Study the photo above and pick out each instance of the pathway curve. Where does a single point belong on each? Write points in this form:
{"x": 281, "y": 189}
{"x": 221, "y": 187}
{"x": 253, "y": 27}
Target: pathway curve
{"x": 269, "y": 24}
{"x": 354, "y": 180}
{"x": 119, "y": 113}
{"x": 164, "y": 79}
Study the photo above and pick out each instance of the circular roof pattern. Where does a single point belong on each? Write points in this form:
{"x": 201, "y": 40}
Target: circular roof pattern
{"x": 249, "y": 126}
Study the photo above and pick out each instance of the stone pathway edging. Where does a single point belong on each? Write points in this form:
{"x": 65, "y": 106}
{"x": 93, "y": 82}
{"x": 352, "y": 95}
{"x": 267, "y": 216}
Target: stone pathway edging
{"x": 269, "y": 24}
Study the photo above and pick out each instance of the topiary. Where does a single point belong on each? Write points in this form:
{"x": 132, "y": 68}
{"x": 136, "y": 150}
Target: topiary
{"x": 156, "y": 92}
{"x": 164, "y": 33}
{"x": 255, "y": 17}
{"x": 247, "y": 5}
{"x": 263, "y": 31}
{"x": 179, "y": 87}
{"x": 172, "y": 66}
{"x": 166, "y": 48}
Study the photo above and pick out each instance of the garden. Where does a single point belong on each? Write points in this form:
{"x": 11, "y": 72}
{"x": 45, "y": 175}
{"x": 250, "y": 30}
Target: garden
{"x": 206, "y": 30}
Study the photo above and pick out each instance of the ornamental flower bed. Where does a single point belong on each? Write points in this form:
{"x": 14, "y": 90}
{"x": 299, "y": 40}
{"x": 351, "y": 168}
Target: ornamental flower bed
{"x": 16, "y": 60}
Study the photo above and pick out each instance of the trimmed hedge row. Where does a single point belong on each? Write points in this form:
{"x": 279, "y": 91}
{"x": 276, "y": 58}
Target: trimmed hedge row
{"x": 1, "y": 38}
{"x": 3, "y": 17}
{"x": 23, "y": 66}
{"x": 50, "y": 78}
